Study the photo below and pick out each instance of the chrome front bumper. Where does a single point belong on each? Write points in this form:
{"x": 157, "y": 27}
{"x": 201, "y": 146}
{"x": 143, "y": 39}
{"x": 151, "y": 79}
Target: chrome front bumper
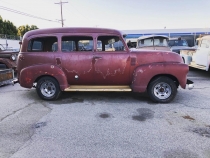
{"x": 190, "y": 84}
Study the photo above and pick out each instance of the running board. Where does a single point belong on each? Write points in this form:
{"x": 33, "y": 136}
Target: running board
{"x": 98, "y": 88}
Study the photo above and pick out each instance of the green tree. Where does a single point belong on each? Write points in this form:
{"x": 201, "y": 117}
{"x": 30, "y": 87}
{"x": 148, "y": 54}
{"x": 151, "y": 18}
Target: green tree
{"x": 1, "y": 25}
{"x": 7, "y": 27}
{"x": 25, "y": 28}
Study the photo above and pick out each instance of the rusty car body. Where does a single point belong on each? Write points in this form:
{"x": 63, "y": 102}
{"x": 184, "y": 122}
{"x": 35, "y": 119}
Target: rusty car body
{"x": 52, "y": 60}
{"x": 8, "y": 58}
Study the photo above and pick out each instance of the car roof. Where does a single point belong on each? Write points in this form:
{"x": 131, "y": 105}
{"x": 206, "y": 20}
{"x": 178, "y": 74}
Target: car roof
{"x": 206, "y": 37}
{"x": 71, "y": 30}
{"x": 151, "y": 36}
{"x": 177, "y": 38}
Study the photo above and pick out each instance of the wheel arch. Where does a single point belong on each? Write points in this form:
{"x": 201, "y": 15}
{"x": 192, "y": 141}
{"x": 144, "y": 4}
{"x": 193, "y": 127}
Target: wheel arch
{"x": 39, "y": 77}
{"x": 165, "y": 75}
{"x": 32, "y": 74}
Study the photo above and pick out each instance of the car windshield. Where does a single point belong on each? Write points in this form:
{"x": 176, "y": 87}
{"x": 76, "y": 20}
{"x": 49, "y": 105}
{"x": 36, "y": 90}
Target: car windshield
{"x": 149, "y": 42}
{"x": 177, "y": 43}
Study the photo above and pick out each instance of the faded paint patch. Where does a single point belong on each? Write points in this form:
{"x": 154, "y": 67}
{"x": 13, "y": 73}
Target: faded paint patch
{"x": 78, "y": 66}
{"x": 108, "y": 69}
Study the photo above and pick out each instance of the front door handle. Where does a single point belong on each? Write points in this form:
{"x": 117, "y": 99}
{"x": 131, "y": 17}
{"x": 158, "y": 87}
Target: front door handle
{"x": 97, "y": 57}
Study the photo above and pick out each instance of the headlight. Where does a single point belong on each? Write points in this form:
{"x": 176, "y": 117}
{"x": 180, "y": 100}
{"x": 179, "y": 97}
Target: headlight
{"x": 13, "y": 57}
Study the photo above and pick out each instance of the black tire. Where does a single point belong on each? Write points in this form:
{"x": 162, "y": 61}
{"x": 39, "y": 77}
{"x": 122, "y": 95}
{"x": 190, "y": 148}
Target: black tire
{"x": 162, "y": 90}
{"x": 48, "y": 88}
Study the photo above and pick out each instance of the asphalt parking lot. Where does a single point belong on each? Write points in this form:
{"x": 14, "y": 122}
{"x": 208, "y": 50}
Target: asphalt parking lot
{"x": 84, "y": 124}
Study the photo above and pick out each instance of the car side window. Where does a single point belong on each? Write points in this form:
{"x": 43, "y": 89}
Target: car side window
{"x": 204, "y": 43}
{"x": 110, "y": 44}
{"x": 43, "y": 44}
{"x": 77, "y": 43}
{"x": 146, "y": 42}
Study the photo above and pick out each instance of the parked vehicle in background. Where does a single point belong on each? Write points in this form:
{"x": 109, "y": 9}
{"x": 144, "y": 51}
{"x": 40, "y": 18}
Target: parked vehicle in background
{"x": 8, "y": 58}
{"x": 177, "y": 44}
{"x": 153, "y": 42}
{"x": 131, "y": 43}
{"x": 10, "y": 42}
{"x": 198, "y": 57}
{"x": 51, "y": 70}
{"x": 7, "y": 76}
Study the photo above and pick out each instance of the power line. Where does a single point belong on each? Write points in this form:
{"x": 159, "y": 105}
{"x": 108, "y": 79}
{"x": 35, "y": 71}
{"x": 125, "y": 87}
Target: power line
{"x": 61, "y": 3}
{"x": 25, "y": 14}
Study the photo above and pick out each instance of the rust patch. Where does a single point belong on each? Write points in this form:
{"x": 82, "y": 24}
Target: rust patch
{"x": 188, "y": 117}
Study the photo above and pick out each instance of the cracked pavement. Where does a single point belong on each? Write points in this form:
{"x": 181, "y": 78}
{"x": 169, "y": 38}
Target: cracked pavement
{"x": 83, "y": 124}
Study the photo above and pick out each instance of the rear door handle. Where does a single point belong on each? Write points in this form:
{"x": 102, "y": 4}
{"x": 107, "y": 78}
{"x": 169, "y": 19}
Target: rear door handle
{"x": 97, "y": 57}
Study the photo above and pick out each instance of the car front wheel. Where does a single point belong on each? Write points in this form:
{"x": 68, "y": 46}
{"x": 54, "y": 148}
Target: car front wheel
{"x": 48, "y": 88}
{"x": 162, "y": 90}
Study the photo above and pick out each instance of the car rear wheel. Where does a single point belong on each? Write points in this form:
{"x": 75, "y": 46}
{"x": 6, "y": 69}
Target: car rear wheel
{"x": 48, "y": 88}
{"x": 162, "y": 90}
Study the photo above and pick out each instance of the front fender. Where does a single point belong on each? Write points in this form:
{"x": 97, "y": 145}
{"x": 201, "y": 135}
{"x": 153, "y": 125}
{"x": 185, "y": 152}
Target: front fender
{"x": 28, "y": 75}
{"x": 144, "y": 73}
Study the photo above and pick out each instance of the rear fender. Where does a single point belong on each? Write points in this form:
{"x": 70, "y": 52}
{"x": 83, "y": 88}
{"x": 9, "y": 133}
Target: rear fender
{"x": 28, "y": 75}
{"x": 145, "y": 73}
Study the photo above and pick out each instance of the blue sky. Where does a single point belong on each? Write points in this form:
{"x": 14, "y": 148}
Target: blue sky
{"x": 117, "y": 14}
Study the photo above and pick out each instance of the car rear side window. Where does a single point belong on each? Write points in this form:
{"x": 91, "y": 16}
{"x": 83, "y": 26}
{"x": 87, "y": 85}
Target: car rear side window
{"x": 77, "y": 43}
{"x": 43, "y": 44}
{"x": 109, "y": 44}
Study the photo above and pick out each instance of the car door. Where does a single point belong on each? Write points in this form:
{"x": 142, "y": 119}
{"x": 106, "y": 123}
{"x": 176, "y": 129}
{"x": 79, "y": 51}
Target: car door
{"x": 75, "y": 59}
{"x": 111, "y": 61}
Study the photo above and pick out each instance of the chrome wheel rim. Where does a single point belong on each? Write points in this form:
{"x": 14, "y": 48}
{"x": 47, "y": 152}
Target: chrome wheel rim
{"x": 162, "y": 90}
{"x": 48, "y": 89}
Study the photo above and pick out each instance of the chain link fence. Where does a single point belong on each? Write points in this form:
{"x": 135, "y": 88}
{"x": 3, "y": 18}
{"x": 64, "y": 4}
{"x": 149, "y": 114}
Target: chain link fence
{"x": 10, "y": 37}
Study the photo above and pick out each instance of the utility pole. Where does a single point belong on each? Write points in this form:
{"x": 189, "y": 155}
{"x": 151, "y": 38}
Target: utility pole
{"x": 61, "y": 3}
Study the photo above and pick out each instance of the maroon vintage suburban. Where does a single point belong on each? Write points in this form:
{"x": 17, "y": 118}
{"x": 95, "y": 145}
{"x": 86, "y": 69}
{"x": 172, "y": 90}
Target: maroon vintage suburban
{"x": 96, "y": 59}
